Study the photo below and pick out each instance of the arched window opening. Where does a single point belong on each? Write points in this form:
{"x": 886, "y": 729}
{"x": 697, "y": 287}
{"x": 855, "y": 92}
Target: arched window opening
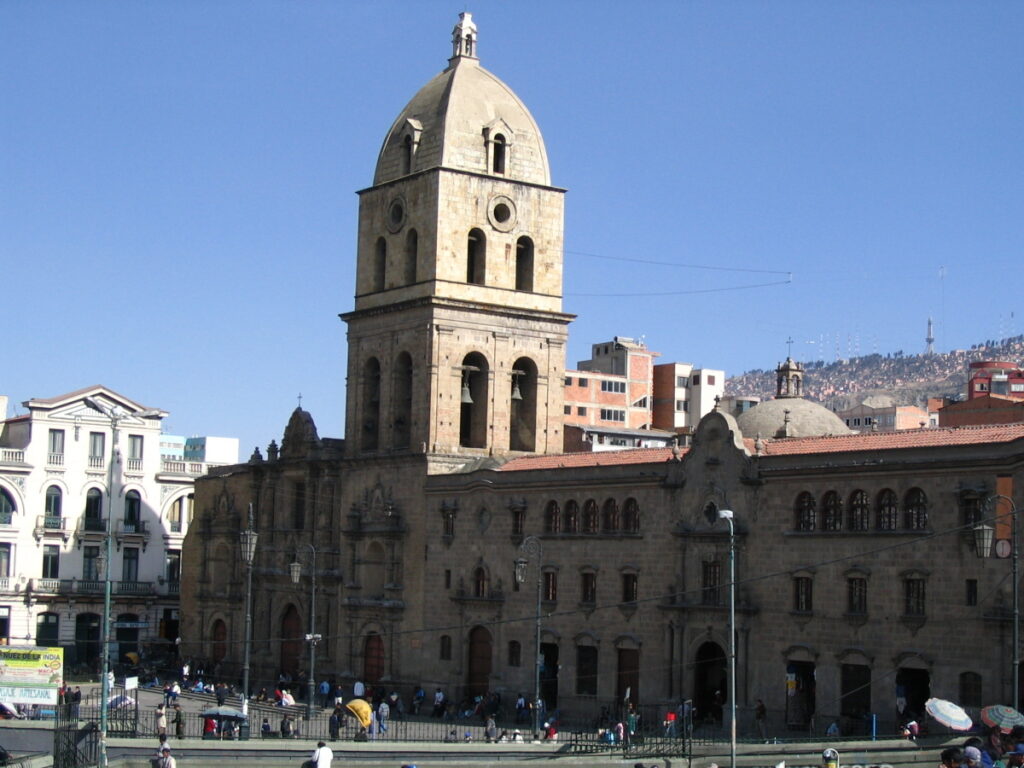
{"x": 915, "y": 510}
{"x": 401, "y": 435}
{"x": 7, "y": 506}
{"x": 610, "y": 516}
{"x": 888, "y": 511}
{"x": 475, "y": 396}
{"x": 93, "y": 510}
{"x": 380, "y": 264}
{"x": 407, "y": 155}
{"x": 805, "y": 512}
{"x": 499, "y": 149}
{"x": 373, "y": 658}
{"x": 481, "y": 586}
{"x": 371, "y": 405}
{"x": 132, "y": 511}
{"x": 590, "y": 516}
{"x": 832, "y": 512}
{"x": 476, "y": 257}
{"x": 572, "y": 517}
{"x": 631, "y": 516}
{"x": 860, "y": 511}
{"x": 523, "y": 406}
{"x": 54, "y": 502}
{"x": 552, "y": 518}
{"x": 524, "y": 264}
{"x": 412, "y": 245}
{"x": 87, "y": 639}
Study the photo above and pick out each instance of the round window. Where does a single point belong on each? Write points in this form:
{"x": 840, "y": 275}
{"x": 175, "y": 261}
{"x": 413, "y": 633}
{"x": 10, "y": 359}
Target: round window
{"x": 395, "y": 217}
{"x": 502, "y": 213}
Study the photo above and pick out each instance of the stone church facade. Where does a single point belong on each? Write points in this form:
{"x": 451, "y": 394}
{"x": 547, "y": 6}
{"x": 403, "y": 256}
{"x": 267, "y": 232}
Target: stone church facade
{"x": 859, "y": 589}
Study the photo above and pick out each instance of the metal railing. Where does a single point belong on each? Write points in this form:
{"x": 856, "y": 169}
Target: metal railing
{"x": 137, "y": 527}
{"x": 92, "y": 525}
{"x": 49, "y": 522}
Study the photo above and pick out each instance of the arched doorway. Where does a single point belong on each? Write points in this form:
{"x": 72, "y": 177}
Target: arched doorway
{"x": 481, "y": 649}
{"x": 218, "y": 641}
{"x": 709, "y": 681}
{"x": 373, "y": 658}
{"x": 291, "y": 641}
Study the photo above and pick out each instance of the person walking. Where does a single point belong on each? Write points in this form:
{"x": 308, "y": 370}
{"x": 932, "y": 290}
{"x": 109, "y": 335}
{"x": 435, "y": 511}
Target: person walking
{"x": 161, "y": 720}
{"x": 334, "y": 724}
{"x": 179, "y": 722}
{"x": 165, "y": 760}
{"x": 760, "y": 720}
{"x": 322, "y": 756}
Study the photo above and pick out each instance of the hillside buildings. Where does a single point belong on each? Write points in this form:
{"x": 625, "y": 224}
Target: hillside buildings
{"x": 855, "y": 553}
{"x": 66, "y": 466}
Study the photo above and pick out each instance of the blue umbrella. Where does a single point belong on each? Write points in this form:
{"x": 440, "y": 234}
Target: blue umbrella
{"x": 948, "y": 714}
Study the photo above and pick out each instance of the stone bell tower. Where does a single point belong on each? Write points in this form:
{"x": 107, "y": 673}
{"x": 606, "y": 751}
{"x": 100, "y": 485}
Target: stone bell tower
{"x": 457, "y": 339}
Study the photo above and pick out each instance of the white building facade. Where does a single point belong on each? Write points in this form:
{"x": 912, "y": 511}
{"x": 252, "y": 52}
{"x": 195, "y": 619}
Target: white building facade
{"x": 67, "y": 466}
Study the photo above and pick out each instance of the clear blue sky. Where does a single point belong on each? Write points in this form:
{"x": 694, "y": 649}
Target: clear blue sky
{"x": 177, "y": 207}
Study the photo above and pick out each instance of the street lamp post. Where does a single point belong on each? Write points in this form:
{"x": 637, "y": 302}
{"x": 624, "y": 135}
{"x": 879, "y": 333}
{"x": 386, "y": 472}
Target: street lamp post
{"x": 248, "y": 539}
{"x": 532, "y": 548}
{"x": 727, "y": 515}
{"x": 983, "y": 537}
{"x": 312, "y": 638}
{"x": 108, "y": 557}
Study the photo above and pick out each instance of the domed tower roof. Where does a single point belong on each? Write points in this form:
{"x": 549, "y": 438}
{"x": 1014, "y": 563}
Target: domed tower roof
{"x": 789, "y": 415}
{"x": 441, "y": 125}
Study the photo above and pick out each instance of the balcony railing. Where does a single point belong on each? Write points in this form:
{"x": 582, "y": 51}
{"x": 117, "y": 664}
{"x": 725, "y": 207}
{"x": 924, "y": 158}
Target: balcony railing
{"x": 132, "y": 527}
{"x": 6, "y": 583}
{"x": 92, "y": 525}
{"x": 89, "y": 587}
{"x": 134, "y": 465}
{"x": 95, "y": 462}
{"x": 55, "y": 459}
{"x": 52, "y": 523}
{"x": 133, "y": 587}
{"x": 175, "y": 467}
{"x": 173, "y": 588}
{"x": 12, "y": 456}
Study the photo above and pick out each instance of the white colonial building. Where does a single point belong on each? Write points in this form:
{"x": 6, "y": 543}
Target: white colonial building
{"x": 65, "y": 466}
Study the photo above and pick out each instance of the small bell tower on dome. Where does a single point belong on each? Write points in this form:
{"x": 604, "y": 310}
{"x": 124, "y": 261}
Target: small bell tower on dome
{"x": 464, "y": 38}
{"x": 789, "y": 379}
{"x": 457, "y": 339}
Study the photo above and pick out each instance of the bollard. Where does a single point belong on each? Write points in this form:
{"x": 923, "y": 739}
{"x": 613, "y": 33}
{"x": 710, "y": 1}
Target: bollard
{"x": 830, "y": 758}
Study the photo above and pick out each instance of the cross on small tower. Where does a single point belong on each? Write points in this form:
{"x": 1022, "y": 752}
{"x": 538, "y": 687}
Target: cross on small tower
{"x": 717, "y": 401}
{"x": 300, "y": 399}
{"x": 789, "y": 347}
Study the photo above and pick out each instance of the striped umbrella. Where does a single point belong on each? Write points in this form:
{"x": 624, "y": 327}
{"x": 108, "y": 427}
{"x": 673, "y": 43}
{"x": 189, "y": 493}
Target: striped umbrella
{"x": 1002, "y": 717}
{"x": 948, "y": 714}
